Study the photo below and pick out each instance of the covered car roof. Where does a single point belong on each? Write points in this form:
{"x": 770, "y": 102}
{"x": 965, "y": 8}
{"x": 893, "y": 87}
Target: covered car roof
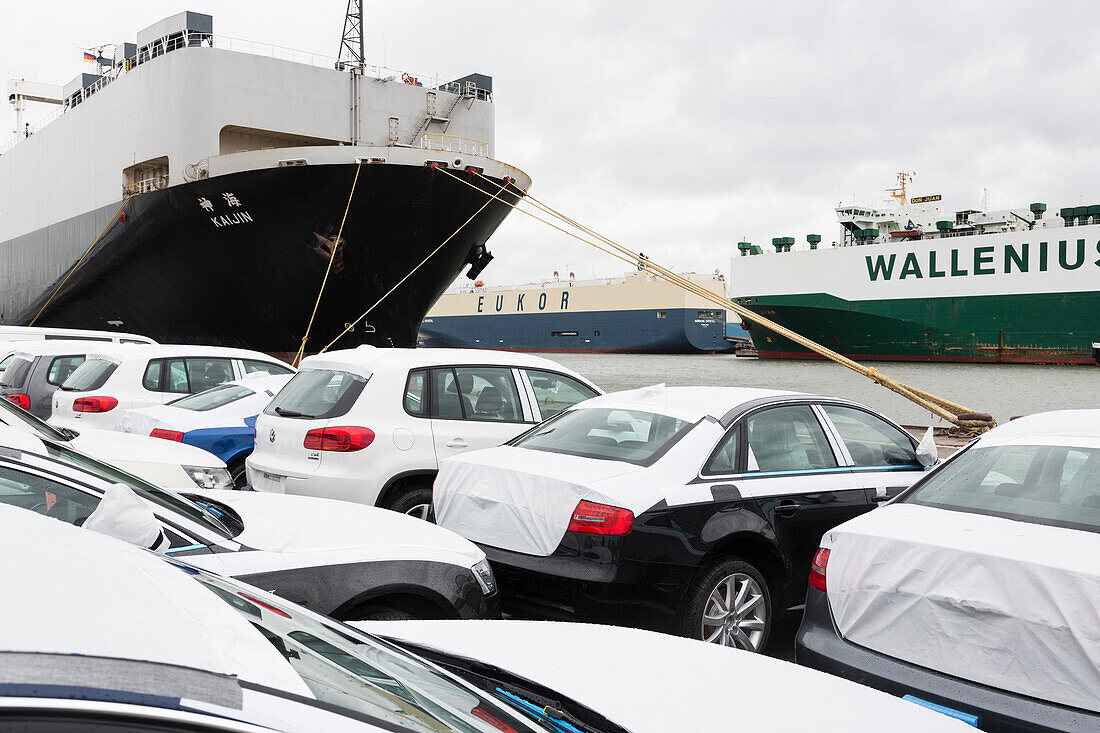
{"x": 120, "y": 352}
{"x": 688, "y": 403}
{"x": 1067, "y": 427}
{"x": 31, "y": 349}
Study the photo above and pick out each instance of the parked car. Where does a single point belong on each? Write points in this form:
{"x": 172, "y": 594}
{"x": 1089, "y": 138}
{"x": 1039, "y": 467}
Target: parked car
{"x": 350, "y": 562}
{"x": 221, "y": 420}
{"x": 371, "y": 425}
{"x": 35, "y": 369}
{"x": 693, "y": 510}
{"x": 159, "y": 645}
{"x": 40, "y": 333}
{"x": 117, "y": 378}
{"x": 978, "y": 588}
{"x": 157, "y": 461}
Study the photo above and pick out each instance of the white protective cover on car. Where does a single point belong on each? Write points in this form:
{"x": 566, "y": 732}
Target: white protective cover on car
{"x": 143, "y": 420}
{"x": 645, "y": 681}
{"x": 1008, "y": 604}
{"x": 522, "y": 500}
{"x": 122, "y": 514}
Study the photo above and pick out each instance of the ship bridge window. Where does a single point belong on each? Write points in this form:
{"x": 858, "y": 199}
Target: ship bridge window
{"x": 235, "y": 139}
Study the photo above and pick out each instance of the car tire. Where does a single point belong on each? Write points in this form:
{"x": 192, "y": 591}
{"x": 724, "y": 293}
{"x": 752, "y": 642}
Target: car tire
{"x": 379, "y": 613}
{"x": 413, "y": 500}
{"x": 239, "y": 474}
{"x": 730, "y": 604}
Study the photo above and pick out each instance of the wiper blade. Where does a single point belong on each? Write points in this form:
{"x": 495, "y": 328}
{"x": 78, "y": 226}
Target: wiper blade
{"x": 282, "y": 412}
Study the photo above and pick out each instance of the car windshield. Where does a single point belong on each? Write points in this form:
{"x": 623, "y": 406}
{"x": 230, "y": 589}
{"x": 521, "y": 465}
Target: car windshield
{"x": 344, "y": 667}
{"x": 212, "y": 398}
{"x": 19, "y": 419}
{"x": 1042, "y": 484}
{"x": 168, "y": 499}
{"x": 633, "y": 436}
{"x": 92, "y": 374}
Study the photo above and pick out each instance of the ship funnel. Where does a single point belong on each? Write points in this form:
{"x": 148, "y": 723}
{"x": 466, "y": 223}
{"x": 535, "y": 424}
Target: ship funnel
{"x": 745, "y": 247}
{"x": 1038, "y": 210}
{"x": 782, "y": 244}
{"x": 814, "y": 240}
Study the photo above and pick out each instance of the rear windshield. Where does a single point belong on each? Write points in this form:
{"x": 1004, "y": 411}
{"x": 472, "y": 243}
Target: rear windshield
{"x": 212, "y": 398}
{"x": 92, "y": 374}
{"x": 16, "y": 373}
{"x": 317, "y": 394}
{"x": 1042, "y": 484}
{"x": 621, "y": 435}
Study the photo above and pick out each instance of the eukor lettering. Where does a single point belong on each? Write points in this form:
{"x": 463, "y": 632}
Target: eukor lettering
{"x": 542, "y": 301}
{"x": 1013, "y": 258}
{"x": 519, "y": 301}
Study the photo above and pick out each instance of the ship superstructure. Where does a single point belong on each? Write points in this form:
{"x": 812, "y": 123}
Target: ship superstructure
{"x": 635, "y": 313}
{"x": 212, "y": 176}
{"x": 909, "y": 282}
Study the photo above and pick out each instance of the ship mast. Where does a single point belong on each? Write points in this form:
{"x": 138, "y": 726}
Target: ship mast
{"x": 351, "y": 45}
{"x": 904, "y": 177}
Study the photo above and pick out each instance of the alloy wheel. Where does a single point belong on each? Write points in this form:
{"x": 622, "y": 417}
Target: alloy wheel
{"x": 734, "y": 613}
{"x": 420, "y": 511}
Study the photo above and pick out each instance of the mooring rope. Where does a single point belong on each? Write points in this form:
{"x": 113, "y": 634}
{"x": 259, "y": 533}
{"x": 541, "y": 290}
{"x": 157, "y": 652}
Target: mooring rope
{"x": 492, "y": 197}
{"x": 110, "y": 221}
{"x": 332, "y": 256}
{"x": 950, "y": 411}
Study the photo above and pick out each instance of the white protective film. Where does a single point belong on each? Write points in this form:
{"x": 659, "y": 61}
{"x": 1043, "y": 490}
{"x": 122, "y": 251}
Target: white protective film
{"x": 122, "y": 514}
{"x": 1008, "y": 604}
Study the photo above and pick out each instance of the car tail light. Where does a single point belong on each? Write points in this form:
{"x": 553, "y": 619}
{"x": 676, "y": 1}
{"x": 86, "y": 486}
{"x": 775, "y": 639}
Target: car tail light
{"x": 167, "y": 434}
{"x": 19, "y": 400}
{"x": 817, "y": 569}
{"x": 95, "y": 404}
{"x": 341, "y": 440}
{"x": 592, "y": 518}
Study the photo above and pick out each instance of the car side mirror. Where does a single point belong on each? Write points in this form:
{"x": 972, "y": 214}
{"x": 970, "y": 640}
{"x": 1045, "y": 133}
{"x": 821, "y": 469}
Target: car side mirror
{"x": 122, "y": 514}
{"x": 927, "y": 452}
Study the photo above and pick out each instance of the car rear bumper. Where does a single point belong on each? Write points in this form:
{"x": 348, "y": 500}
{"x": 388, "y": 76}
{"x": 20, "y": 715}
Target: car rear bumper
{"x": 819, "y": 645}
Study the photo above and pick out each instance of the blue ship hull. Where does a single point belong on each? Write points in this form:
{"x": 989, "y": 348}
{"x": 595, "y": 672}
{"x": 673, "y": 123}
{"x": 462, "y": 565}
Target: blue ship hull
{"x": 678, "y": 331}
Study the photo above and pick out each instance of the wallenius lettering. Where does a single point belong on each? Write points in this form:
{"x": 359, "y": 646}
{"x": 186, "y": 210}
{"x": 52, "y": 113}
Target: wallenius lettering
{"x": 980, "y": 261}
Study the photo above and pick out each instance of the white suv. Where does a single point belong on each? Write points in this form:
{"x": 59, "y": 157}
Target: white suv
{"x": 115, "y": 378}
{"x": 370, "y": 425}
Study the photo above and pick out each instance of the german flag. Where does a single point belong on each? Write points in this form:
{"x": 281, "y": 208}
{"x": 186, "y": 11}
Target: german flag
{"x": 89, "y": 56}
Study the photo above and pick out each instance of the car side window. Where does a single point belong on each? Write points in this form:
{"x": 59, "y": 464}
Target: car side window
{"x": 61, "y": 367}
{"x": 204, "y": 373}
{"x": 724, "y": 458}
{"x": 415, "y": 387}
{"x": 176, "y": 377}
{"x": 491, "y": 391}
{"x": 788, "y": 439}
{"x": 46, "y": 497}
{"x": 251, "y": 366}
{"x": 447, "y": 404}
{"x": 871, "y": 441}
{"x": 556, "y": 392}
{"x": 151, "y": 380}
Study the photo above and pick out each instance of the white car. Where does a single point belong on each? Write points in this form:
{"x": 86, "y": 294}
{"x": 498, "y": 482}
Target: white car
{"x": 370, "y": 425}
{"x": 221, "y": 420}
{"x": 979, "y": 588}
{"x": 120, "y": 377}
{"x": 112, "y": 637}
{"x": 691, "y": 510}
{"x": 39, "y": 333}
{"x": 351, "y": 562}
{"x": 157, "y": 461}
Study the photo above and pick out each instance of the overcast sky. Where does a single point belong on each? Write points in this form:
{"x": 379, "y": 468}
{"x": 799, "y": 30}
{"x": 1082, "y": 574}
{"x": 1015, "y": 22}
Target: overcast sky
{"x": 681, "y": 128}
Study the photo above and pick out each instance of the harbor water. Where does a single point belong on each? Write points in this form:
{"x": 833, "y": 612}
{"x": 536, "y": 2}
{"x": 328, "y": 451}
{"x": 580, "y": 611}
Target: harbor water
{"x": 1004, "y": 390}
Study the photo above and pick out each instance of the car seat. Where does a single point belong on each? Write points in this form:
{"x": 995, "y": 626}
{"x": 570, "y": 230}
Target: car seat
{"x": 490, "y": 403}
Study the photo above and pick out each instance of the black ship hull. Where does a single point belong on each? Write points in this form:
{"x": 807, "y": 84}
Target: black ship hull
{"x": 238, "y": 259}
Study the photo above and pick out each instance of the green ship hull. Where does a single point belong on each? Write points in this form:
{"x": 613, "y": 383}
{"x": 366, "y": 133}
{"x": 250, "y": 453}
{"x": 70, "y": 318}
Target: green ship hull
{"x": 1024, "y": 328}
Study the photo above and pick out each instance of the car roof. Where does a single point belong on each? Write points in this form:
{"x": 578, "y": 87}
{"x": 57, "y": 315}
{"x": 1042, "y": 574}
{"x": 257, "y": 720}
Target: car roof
{"x": 51, "y": 347}
{"x": 689, "y": 403}
{"x": 102, "y": 597}
{"x": 119, "y": 352}
{"x": 366, "y": 360}
{"x": 1066, "y": 427}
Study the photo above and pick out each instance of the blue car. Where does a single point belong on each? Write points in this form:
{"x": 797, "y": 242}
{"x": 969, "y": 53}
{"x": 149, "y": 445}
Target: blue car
{"x": 221, "y": 420}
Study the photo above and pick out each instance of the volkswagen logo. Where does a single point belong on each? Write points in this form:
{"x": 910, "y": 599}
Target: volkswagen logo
{"x": 271, "y": 436}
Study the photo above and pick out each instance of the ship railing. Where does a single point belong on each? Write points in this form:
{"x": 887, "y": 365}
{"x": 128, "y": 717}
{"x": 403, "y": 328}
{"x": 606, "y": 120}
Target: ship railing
{"x": 454, "y": 144}
{"x": 145, "y": 185}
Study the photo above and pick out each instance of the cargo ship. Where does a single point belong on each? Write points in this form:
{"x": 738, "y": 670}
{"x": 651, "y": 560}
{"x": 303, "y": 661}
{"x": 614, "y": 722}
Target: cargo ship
{"x": 636, "y": 313}
{"x": 193, "y": 189}
{"x": 908, "y": 282}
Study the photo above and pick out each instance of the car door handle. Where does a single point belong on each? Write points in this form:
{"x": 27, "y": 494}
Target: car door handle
{"x": 786, "y": 509}
{"x": 456, "y": 443}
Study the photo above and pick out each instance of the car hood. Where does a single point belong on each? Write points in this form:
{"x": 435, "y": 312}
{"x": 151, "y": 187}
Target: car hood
{"x": 522, "y": 500}
{"x": 1003, "y": 603}
{"x": 645, "y": 681}
{"x": 124, "y": 449}
{"x": 285, "y": 523}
